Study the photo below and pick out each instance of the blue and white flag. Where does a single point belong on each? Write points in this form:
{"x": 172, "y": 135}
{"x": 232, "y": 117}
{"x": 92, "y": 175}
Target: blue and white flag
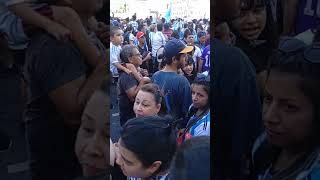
{"x": 168, "y": 12}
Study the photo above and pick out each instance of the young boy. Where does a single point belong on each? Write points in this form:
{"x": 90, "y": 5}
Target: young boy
{"x": 116, "y": 39}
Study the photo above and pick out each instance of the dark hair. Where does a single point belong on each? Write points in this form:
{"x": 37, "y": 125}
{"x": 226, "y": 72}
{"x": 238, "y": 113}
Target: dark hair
{"x": 204, "y": 82}
{"x": 190, "y": 61}
{"x": 192, "y": 160}
{"x": 163, "y": 20}
{"x": 159, "y": 26}
{"x": 126, "y": 52}
{"x": 166, "y": 26}
{"x": 200, "y": 27}
{"x": 140, "y": 26}
{"x": 175, "y": 34}
{"x": 155, "y": 90}
{"x": 270, "y": 32}
{"x": 148, "y": 22}
{"x": 185, "y": 25}
{"x": 134, "y": 17}
{"x": 129, "y": 28}
{"x": 151, "y": 139}
{"x": 169, "y": 61}
{"x": 201, "y": 33}
{"x": 187, "y": 33}
{"x": 309, "y": 72}
{"x": 113, "y": 30}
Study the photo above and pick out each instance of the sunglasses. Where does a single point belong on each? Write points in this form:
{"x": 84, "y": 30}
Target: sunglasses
{"x": 295, "y": 51}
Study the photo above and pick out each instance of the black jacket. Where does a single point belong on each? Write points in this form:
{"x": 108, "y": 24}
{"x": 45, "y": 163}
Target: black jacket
{"x": 236, "y": 108}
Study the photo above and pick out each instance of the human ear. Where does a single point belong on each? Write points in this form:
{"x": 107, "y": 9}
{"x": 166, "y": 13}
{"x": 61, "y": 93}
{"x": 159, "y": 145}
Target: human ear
{"x": 154, "y": 167}
{"x": 158, "y": 108}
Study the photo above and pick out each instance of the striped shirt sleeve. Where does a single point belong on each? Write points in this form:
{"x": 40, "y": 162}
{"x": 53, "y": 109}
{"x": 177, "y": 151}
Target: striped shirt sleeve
{"x": 114, "y": 55}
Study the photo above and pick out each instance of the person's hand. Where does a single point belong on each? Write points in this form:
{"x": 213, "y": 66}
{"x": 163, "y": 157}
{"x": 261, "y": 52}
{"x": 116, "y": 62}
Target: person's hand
{"x": 130, "y": 68}
{"x": 145, "y": 80}
{"x": 117, "y": 152}
{"x": 148, "y": 57}
{"x": 58, "y": 31}
{"x": 128, "y": 71}
{"x": 103, "y": 32}
{"x": 67, "y": 17}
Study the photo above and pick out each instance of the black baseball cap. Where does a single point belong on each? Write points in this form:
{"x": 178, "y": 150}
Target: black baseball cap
{"x": 175, "y": 47}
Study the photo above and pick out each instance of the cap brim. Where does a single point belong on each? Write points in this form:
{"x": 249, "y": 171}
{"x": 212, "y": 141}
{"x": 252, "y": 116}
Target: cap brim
{"x": 186, "y": 50}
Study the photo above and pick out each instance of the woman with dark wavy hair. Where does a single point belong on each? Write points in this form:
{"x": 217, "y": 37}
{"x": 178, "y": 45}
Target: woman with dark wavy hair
{"x": 146, "y": 148}
{"x": 290, "y": 147}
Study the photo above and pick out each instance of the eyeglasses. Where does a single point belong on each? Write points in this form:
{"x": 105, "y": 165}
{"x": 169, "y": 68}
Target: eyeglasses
{"x": 138, "y": 54}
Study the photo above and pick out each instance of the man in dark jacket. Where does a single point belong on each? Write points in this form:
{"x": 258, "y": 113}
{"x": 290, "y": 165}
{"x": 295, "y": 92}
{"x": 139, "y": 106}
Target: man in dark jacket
{"x": 235, "y": 102}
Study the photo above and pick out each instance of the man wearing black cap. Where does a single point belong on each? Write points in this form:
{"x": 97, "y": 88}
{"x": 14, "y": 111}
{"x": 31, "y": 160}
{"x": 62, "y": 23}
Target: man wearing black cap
{"x": 176, "y": 88}
{"x": 235, "y": 101}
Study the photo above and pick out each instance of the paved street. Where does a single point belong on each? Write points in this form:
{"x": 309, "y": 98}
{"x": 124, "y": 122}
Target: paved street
{"x": 114, "y": 115}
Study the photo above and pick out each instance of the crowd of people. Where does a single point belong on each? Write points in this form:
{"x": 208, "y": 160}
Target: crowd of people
{"x": 161, "y": 71}
{"x": 261, "y": 88}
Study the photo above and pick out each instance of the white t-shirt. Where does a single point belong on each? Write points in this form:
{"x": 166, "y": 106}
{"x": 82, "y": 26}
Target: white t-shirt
{"x": 134, "y": 25}
{"x": 131, "y": 37}
{"x": 157, "y": 41}
{"x": 197, "y": 54}
{"x": 114, "y": 58}
{"x": 151, "y": 34}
